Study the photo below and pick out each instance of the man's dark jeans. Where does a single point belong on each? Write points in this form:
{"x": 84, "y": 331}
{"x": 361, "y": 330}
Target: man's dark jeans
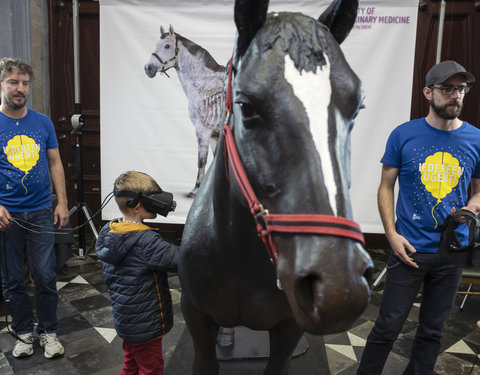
{"x": 402, "y": 283}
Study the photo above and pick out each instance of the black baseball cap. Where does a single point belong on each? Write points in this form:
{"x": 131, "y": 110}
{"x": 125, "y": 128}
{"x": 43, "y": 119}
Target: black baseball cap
{"x": 441, "y": 72}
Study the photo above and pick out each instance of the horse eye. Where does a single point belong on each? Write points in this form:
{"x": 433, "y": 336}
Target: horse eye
{"x": 167, "y": 46}
{"x": 250, "y": 117}
{"x": 248, "y": 110}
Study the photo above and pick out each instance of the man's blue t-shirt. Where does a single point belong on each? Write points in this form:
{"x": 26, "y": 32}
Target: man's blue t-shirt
{"x": 435, "y": 169}
{"x": 24, "y": 168}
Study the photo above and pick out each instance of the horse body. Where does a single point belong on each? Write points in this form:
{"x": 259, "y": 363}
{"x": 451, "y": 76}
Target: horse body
{"x": 294, "y": 99}
{"x": 201, "y": 79}
{"x": 227, "y": 278}
{"x": 224, "y": 257}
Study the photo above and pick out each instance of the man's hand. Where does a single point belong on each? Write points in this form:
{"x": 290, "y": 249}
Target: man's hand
{"x": 60, "y": 215}
{"x": 474, "y": 208}
{"x": 402, "y": 249}
{"x": 5, "y": 219}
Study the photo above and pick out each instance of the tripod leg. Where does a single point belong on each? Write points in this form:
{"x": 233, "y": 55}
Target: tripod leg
{"x": 81, "y": 231}
{"x": 72, "y": 210}
{"x": 86, "y": 212}
{"x": 90, "y": 222}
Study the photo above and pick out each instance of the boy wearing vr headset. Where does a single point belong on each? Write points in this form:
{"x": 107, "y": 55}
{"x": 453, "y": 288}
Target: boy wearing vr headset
{"x": 135, "y": 261}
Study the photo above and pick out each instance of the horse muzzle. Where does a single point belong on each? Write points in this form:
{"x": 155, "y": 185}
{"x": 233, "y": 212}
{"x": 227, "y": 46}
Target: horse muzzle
{"x": 150, "y": 70}
{"x": 326, "y": 282}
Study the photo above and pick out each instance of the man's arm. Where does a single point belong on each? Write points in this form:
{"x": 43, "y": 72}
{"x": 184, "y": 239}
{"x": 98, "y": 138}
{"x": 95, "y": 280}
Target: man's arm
{"x": 386, "y": 201}
{"x": 474, "y": 201}
{"x": 58, "y": 179}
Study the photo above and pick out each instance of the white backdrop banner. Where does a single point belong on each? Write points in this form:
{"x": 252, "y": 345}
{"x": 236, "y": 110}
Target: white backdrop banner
{"x": 145, "y": 122}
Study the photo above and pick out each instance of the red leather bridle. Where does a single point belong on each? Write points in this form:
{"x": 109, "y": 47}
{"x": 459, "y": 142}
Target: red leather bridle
{"x": 286, "y": 223}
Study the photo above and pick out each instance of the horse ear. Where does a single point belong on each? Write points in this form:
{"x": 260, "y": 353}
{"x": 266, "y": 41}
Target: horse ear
{"x": 339, "y": 17}
{"x": 162, "y": 32}
{"x": 171, "y": 31}
{"x": 250, "y": 15}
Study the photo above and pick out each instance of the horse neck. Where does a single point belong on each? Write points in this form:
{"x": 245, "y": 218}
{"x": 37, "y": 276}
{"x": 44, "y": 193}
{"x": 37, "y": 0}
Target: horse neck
{"x": 226, "y": 203}
{"x": 191, "y": 69}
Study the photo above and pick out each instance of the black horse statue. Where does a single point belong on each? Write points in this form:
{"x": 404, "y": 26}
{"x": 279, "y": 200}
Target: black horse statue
{"x": 268, "y": 243}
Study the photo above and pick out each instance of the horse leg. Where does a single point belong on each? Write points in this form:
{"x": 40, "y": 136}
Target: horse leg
{"x": 204, "y": 335}
{"x": 284, "y": 337}
{"x": 214, "y": 140}
{"x": 202, "y": 141}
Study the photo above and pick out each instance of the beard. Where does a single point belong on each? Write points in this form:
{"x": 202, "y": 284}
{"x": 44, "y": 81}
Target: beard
{"x": 446, "y": 111}
{"x": 13, "y": 105}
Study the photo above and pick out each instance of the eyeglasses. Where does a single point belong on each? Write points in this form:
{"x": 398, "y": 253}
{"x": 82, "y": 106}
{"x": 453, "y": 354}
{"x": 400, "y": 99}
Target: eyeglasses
{"x": 449, "y": 90}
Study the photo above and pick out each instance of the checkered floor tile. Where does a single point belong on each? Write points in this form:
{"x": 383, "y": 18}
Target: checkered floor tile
{"x": 92, "y": 346}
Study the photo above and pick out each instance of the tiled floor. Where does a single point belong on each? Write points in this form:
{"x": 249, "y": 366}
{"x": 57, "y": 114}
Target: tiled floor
{"x": 92, "y": 347}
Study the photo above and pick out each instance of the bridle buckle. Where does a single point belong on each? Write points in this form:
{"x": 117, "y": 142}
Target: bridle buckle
{"x": 261, "y": 217}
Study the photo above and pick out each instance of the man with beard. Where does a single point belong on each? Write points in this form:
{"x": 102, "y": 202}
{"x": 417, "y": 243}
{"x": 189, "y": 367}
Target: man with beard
{"x": 28, "y": 152}
{"x": 435, "y": 159}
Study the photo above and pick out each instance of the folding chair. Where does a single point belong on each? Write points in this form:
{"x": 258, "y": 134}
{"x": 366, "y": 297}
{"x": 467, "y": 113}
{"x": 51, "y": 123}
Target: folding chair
{"x": 471, "y": 276}
{"x": 379, "y": 277}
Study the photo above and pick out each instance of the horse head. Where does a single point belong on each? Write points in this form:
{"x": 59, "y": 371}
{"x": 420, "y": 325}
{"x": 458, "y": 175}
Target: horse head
{"x": 294, "y": 98}
{"x": 165, "y": 55}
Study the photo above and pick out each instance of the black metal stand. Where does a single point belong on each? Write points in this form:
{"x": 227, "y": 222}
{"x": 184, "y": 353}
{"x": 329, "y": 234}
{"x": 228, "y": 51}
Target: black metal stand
{"x": 80, "y": 207}
{"x": 248, "y": 355}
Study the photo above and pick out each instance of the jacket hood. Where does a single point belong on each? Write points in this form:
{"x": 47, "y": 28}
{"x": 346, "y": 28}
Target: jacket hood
{"x": 119, "y": 241}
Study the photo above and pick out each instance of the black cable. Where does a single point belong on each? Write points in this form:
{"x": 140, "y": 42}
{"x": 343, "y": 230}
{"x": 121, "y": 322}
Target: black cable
{"x": 63, "y": 231}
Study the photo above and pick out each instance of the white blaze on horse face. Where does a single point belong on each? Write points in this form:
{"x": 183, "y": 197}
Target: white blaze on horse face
{"x": 314, "y": 90}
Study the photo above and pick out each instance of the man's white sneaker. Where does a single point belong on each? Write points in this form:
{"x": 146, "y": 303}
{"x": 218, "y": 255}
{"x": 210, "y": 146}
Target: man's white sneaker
{"x": 53, "y": 348}
{"x": 24, "y": 346}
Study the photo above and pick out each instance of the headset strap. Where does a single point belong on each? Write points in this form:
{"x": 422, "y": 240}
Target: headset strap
{"x": 451, "y": 224}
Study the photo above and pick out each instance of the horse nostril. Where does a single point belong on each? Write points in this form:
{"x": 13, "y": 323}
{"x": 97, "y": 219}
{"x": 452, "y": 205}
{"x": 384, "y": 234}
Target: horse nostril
{"x": 150, "y": 70}
{"x": 368, "y": 274}
{"x": 309, "y": 288}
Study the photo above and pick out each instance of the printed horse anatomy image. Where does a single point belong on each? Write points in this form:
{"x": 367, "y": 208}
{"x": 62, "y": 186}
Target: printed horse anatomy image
{"x": 269, "y": 243}
{"x": 202, "y": 81}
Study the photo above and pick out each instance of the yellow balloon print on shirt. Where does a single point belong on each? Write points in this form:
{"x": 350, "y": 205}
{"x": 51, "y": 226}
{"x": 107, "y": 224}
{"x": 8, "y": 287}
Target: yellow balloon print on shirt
{"x": 440, "y": 174}
{"x": 23, "y": 153}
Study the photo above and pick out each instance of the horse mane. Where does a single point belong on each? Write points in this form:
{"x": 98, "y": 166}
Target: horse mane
{"x": 303, "y": 38}
{"x": 195, "y": 49}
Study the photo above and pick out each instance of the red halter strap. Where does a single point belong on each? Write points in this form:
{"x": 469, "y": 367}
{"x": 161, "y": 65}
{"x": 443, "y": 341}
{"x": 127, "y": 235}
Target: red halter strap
{"x": 285, "y": 223}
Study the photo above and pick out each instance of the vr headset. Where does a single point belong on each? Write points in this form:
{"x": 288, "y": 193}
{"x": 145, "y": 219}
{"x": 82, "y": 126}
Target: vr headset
{"x": 157, "y": 202}
{"x": 451, "y": 249}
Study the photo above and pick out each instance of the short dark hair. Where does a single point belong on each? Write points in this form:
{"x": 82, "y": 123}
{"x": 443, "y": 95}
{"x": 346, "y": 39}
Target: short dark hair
{"x": 9, "y": 65}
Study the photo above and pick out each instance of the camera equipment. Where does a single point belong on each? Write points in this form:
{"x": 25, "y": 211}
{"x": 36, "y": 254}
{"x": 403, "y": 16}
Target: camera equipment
{"x": 80, "y": 207}
{"x": 451, "y": 249}
{"x": 157, "y": 202}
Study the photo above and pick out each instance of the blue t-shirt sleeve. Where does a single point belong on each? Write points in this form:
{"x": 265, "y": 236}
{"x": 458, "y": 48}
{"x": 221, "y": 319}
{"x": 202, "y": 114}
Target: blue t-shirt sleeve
{"x": 475, "y": 150}
{"x": 392, "y": 153}
{"x": 476, "y": 172}
{"x": 52, "y": 141}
